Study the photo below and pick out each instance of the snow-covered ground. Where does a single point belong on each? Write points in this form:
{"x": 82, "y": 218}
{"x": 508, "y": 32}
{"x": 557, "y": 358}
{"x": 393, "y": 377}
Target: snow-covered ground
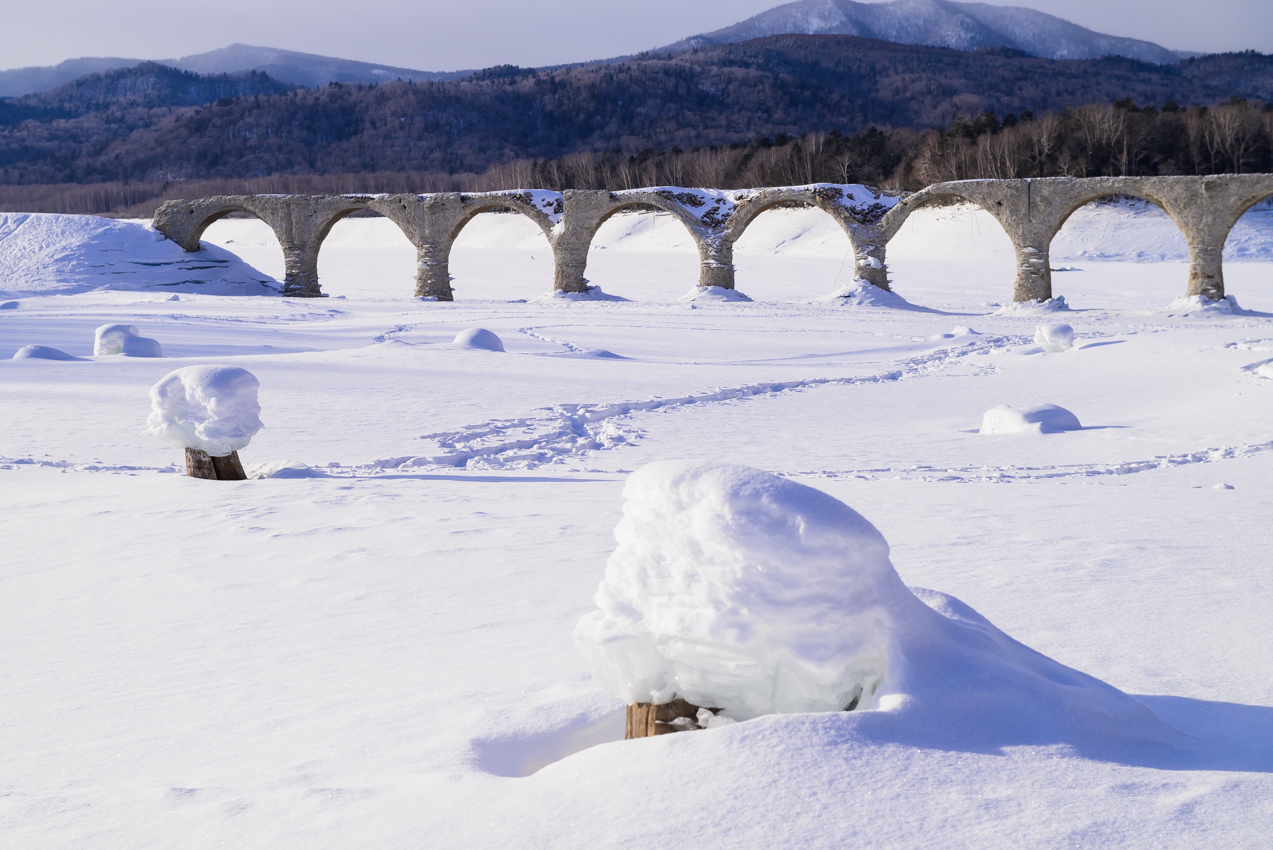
{"x": 373, "y": 647}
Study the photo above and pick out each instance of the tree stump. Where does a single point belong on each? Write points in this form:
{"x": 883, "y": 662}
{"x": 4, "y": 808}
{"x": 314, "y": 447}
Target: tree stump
{"x": 228, "y": 468}
{"x": 646, "y": 719}
{"x": 199, "y": 464}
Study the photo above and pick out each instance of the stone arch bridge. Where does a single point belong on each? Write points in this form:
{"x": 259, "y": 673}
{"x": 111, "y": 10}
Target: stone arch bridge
{"x": 1030, "y": 211}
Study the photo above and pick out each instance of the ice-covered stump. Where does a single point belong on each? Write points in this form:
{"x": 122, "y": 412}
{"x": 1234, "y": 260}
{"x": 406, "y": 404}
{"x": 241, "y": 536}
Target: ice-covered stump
{"x": 479, "y": 338}
{"x": 1054, "y": 338}
{"x": 735, "y": 588}
{"x": 209, "y": 411}
{"x": 123, "y": 339}
{"x": 1039, "y": 419}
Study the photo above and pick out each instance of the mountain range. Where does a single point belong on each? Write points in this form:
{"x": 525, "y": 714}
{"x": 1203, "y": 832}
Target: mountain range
{"x": 935, "y": 23}
{"x": 939, "y": 23}
{"x": 288, "y": 66}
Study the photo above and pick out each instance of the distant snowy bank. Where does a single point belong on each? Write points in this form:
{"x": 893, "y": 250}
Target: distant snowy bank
{"x": 45, "y": 254}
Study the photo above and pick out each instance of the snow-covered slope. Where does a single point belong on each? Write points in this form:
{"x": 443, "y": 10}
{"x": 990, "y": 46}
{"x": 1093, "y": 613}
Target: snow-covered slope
{"x": 940, "y": 23}
{"x": 45, "y": 254}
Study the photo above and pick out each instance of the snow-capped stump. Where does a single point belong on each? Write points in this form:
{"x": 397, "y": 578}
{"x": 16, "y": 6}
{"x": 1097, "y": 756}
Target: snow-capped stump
{"x": 1040, "y": 419}
{"x": 1054, "y": 338}
{"x": 735, "y": 588}
{"x": 124, "y": 339}
{"x": 209, "y": 411}
{"x": 42, "y": 352}
{"x": 478, "y": 338}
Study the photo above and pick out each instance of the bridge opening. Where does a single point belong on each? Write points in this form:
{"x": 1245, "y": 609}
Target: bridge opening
{"x": 643, "y": 254}
{"x": 954, "y": 256}
{"x": 1248, "y": 258}
{"x": 1119, "y": 252}
{"x": 791, "y": 252}
{"x": 251, "y": 238}
{"x": 367, "y": 256}
{"x": 501, "y": 255}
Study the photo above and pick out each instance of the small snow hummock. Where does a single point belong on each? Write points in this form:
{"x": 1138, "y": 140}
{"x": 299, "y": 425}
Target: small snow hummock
{"x": 42, "y": 352}
{"x": 860, "y": 293}
{"x": 213, "y": 408}
{"x": 1188, "y": 305}
{"x": 1033, "y": 308}
{"x": 1054, "y": 338}
{"x": 714, "y": 293}
{"x": 1039, "y": 419}
{"x": 123, "y": 339}
{"x": 734, "y": 588}
{"x": 478, "y": 338}
{"x": 593, "y": 293}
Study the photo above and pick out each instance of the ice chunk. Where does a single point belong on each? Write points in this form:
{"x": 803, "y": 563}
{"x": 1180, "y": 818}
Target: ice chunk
{"x": 42, "y": 352}
{"x": 213, "y": 408}
{"x": 1041, "y": 419}
{"x": 123, "y": 339}
{"x": 714, "y": 293}
{"x": 735, "y": 588}
{"x": 479, "y": 338}
{"x": 1054, "y": 338}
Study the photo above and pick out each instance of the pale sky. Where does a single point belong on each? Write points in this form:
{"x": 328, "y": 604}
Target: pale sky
{"x": 433, "y": 35}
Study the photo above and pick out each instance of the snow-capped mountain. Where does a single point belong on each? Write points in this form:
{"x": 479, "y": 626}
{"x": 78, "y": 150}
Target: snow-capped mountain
{"x": 939, "y": 23}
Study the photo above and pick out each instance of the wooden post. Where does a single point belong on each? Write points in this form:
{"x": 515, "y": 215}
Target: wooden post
{"x": 646, "y": 719}
{"x": 199, "y": 464}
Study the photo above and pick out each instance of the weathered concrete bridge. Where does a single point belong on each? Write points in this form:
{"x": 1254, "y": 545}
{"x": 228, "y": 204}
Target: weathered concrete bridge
{"x": 1030, "y": 211}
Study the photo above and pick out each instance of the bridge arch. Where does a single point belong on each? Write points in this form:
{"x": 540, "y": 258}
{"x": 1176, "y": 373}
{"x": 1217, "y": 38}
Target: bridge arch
{"x": 846, "y": 238}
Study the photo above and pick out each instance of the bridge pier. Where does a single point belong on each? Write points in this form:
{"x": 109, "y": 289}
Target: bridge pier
{"x": 433, "y": 271}
{"x": 716, "y": 260}
{"x": 300, "y": 270}
{"x": 1034, "y": 273}
{"x": 1206, "y": 271}
{"x": 869, "y": 250}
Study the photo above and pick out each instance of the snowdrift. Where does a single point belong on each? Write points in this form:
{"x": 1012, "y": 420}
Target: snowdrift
{"x": 45, "y": 254}
{"x": 734, "y": 588}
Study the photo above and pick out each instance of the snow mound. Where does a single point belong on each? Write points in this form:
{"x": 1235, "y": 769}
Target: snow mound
{"x": 42, "y": 352}
{"x": 282, "y": 469}
{"x": 736, "y": 589}
{"x": 1262, "y": 369}
{"x": 478, "y": 338}
{"x": 1054, "y": 338}
{"x": 123, "y": 339}
{"x": 1201, "y": 305}
{"x": 957, "y": 332}
{"x": 859, "y": 293}
{"x": 1040, "y": 419}
{"x": 594, "y": 293}
{"x": 713, "y": 294}
{"x": 1033, "y": 308}
{"x": 46, "y": 254}
{"x": 213, "y": 408}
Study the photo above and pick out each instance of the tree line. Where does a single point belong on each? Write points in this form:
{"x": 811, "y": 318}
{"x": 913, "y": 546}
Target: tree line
{"x": 1113, "y": 140}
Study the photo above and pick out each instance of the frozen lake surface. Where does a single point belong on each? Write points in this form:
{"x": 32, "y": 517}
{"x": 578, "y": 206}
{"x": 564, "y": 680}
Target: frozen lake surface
{"x": 372, "y": 647}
